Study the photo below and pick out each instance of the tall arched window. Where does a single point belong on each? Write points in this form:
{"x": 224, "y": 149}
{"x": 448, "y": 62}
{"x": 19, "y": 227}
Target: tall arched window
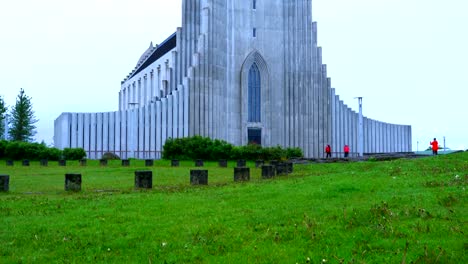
{"x": 254, "y": 94}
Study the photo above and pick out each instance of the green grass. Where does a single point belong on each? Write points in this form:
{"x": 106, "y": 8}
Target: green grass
{"x": 403, "y": 211}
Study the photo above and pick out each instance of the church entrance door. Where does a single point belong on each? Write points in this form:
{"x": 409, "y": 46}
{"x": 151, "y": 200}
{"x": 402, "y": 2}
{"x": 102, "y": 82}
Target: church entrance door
{"x": 254, "y": 136}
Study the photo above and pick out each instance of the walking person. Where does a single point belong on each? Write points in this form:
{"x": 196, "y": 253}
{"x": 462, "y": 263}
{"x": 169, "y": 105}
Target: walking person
{"x": 435, "y": 146}
{"x": 346, "y": 151}
{"x": 328, "y": 151}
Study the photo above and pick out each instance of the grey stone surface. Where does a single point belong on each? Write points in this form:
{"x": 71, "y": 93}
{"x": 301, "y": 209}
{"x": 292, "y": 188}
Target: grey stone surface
{"x": 103, "y": 162}
{"x": 44, "y": 162}
{"x": 83, "y": 162}
{"x": 144, "y": 179}
{"x": 259, "y": 163}
{"x": 73, "y": 182}
{"x": 62, "y": 163}
{"x": 125, "y": 163}
{"x": 25, "y": 162}
{"x": 4, "y": 183}
{"x": 241, "y": 163}
{"x": 241, "y": 174}
{"x": 10, "y": 163}
{"x": 199, "y": 177}
{"x": 198, "y": 163}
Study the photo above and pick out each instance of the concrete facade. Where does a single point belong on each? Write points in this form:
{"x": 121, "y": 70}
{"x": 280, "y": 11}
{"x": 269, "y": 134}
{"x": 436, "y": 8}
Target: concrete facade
{"x": 199, "y": 82}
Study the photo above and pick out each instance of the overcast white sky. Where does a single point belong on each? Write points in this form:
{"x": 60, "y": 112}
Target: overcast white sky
{"x": 407, "y": 58}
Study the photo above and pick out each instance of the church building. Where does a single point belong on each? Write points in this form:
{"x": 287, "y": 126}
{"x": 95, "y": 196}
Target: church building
{"x": 244, "y": 71}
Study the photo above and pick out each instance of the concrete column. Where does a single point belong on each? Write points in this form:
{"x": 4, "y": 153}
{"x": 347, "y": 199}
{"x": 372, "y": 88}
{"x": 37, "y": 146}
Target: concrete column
{"x": 170, "y": 101}
{"x": 86, "y": 131}
{"x": 105, "y": 132}
{"x": 99, "y": 126}
{"x": 74, "y": 130}
{"x": 175, "y": 117}
{"x": 164, "y": 121}
{"x": 112, "y": 131}
{"x": 80, "y": 131}
{"x": 93, "y": 135}
{"x": 141, "y": 133}
{"x": 124, "y": 134}
{"x": 117, "y": 133}
{"x": 147, "y": 125}
{"x": 158, "y": 126}
{"x": 152, "y": 130}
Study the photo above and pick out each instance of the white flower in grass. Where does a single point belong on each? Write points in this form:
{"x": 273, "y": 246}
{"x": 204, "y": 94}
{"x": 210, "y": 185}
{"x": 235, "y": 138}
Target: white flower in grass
{"x": 163, "y": 244}
{"x": 457, "y": 177}
{"x": 108, "y": 249}
{"x": 324, "y": 260}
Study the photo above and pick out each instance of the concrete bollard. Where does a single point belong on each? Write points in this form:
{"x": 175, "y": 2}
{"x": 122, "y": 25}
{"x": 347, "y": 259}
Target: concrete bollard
{"x": 25, "y": 163}
{"x": 289, "y": 167}
{"x": 268, "y": 171}
{"x": 62, "y": 163}
{"x": 9, "y": 163}
{"x": 149, "y": 163}
{"x": 44, "y": 162}
{"x": 175, "y": 163}
{"x": 143, "y": 179}
{"x": 199, "y": 177}
{"x": 83, "y": 162}
{"x": 4, "y": 183}
{"x": 103, "y": 162}
{"x": 241, "y": 163}
{"x": 222, "y": 163}
{"x": 125, "y": 163}
{"x": 241, "y": 174}
{"x": 259, "y": 163}
{"x": 281, "y": 168}
{"x": 199, "y": 163}
{"x": 73, "y": 182}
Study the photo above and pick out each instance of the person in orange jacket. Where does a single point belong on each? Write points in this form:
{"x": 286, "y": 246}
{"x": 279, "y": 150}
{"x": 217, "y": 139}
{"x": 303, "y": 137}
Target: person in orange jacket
{"x": 435, "y": 146}
{"x": 328, "y": 151}
{"x": 346, "y": 151}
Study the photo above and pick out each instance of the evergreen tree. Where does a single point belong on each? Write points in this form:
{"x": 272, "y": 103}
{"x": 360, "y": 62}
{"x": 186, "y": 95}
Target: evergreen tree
{"x": 3, "y": 110}
{"x": 22, "y": 126}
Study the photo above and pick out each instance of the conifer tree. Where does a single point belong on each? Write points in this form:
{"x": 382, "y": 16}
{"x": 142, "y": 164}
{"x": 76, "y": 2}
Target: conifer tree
{"x": 3, "y": 110}
{"x": 22, "y": 126}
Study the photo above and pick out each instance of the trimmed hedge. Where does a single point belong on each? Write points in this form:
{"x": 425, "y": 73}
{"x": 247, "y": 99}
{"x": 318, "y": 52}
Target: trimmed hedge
{"x": 198, "y": 147}
{"x": 17, "y": 150}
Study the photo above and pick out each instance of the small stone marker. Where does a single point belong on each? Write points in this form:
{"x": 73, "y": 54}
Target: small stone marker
{"x": 175, "y": 163}
{"x": 281, "y": 168}
{"x": 268, "y": 171}
{"x": 9, "y": 163}
{"x": 62, "y": 163}
{"x": 199, "y": 177}
{"x": 241, "y": 163}
{"x": 289, "y": 167}
{"x": 83, "y": 162}
{"x": 26, "y": 162}
{"x": 259, "y": 163}
{"x": 143, "y": 179}
{"x": 44, "y": 162}
{"x": 4, "y": 183}
{"x": 199, "y": 163}
{"x": 149, "y": 163}
{"x": 274, "y": 162}
{"x": 125, "y": 162}
{"x": 103, "y": 162}
{"x": 241, "y": 174}
{"x": 73, "y": 182}
{"x": 222, "y": 163}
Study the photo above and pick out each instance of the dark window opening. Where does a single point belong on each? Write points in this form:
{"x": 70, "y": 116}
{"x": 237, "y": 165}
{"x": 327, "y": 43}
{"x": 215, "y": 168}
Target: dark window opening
{"x": 254, "y": 136}
{"x": 254, "y": 94}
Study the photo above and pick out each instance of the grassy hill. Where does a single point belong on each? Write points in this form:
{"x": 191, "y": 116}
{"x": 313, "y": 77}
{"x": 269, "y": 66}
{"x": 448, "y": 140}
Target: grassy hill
{"x": 403, "y": 211}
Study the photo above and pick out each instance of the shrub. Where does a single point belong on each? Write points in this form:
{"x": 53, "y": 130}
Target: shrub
{"x": 198, "y": 147}
{"x": 110, "y": 156}
{"x": 74, "y": 153}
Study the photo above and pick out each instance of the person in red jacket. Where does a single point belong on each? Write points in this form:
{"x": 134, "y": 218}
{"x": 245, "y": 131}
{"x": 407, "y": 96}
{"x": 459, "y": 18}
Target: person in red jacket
{"x": 435, "y": 146}
{"x": 346, "y": 151}
{"x": 328, "y": 151}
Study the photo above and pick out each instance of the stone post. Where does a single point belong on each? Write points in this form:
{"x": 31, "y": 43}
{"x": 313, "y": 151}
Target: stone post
{"x": 144, "y": 179}
{"x": 259, "y": 163}
{"x": 281, "y": 168}
{"x": 125, "y": 162}
{"x": 199, "y": 177}
{"x": 72, "y": 182}
{"x": 149, "y": 163}
{"x": 241, "y": 174}
{"x": 62, "y": 163}
{"x": 83, "y": 162}
{"x": 9, "y": 163}
{"x": 103, "y": 162}
{"x": 268, "y": 171}
{"x": 241, "y": 163}
{"x": 4, "y": 183}
{"x": 199, "y": 163}
{"x": 26, "y": 162}
{"x": 222, "y": 163}
{"x": 289, "y": 167}
{"x": 44, "y": 162}
{"x": 175, "y": 163}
